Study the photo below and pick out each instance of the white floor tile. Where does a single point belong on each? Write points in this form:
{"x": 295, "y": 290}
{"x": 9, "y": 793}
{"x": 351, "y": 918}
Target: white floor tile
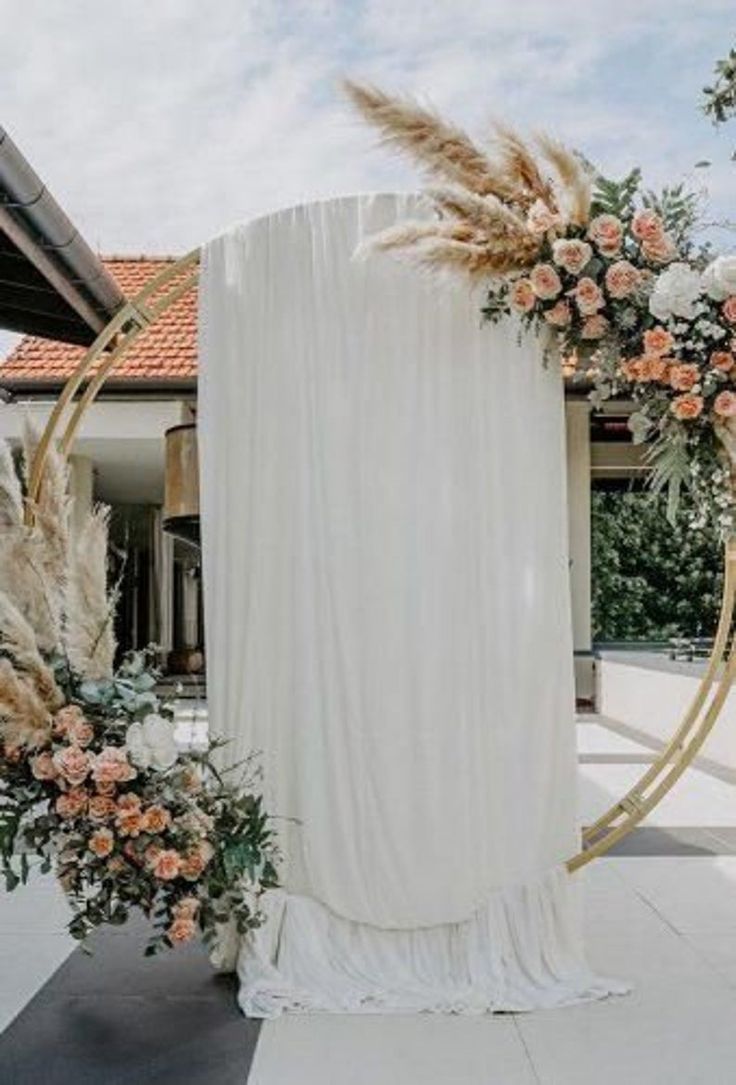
{"x": 592, "y": 738}
{"x": 697, "y": 798}
{"x": 375, "y": 1050}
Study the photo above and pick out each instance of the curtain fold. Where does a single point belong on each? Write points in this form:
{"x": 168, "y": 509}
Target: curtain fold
{"x": 386, "y": 598}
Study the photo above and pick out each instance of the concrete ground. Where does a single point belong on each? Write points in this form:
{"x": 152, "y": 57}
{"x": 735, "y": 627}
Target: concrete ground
{"x": 661, "y": 912}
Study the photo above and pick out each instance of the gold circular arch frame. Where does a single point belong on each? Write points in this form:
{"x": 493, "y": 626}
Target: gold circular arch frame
{"x": 176, "y": 280}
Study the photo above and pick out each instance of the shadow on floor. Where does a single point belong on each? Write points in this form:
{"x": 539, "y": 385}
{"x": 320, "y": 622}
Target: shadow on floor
{"x": 117, "y": 1018}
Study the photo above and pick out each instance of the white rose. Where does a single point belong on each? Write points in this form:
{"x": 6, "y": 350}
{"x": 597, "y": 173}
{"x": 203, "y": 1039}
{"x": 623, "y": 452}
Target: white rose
{"x": 675, "y": 293}
{"x": 719, "y": 278}
{"x": 151, "y": 744}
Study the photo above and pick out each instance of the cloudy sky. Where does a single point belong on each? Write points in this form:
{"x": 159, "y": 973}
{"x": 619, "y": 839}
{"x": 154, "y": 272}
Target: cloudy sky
{"x": 158, "y": 123}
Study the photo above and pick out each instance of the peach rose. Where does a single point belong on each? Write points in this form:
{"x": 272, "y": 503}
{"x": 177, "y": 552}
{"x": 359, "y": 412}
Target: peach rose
{"x": 167, "y": 864}
{"x": 71, "y": 803}
{"x": 595, "y": 327}
{"x": 193, "y": 866}
{"x": 43, "y": 767}
{"x": 101, "y": 843}
{"x": 156, "y": 819}
{"x": 658, "y": 369}
{"x": 607, "y": 232}
{"x": 73, "y": 764}
{"x": 588, "y": 296}
{"x": 559, "y": 315}
{"x": 101, "y": 808}
{"x": 67, "y": 716}
{"x": 622, "y": 279}
{"x": 646, "y": 225}
{"x": 112, "y": 766}
{"x": 571, "y": 254}
{"x": 186, "y": 908}
{"x": 684, "y": 376}
{"x": 631, "y": 368}
{"x": 725, "y": 404}
{"x": 687, "y": 407}
{"x": 522, "y": 296}
{"x": 658, "y": 341}
{"x": 545, "y": 281}
{"x": 129, "y": 822}
{"x": 729, "y": 309}
{"x": 181, "y": 930}
{"x": 151, "y": 854}
{"x": 721, "y": 360}
{"x": 540, "y": 218}
{"x": 660, "y": 251}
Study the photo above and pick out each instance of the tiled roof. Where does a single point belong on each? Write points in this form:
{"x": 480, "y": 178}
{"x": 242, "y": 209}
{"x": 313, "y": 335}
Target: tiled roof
{"x": 167, "y": 351}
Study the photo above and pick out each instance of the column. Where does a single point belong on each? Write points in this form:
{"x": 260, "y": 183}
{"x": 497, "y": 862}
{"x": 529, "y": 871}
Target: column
{"x": 577, "y": 414}
{"x": 81, "y": 487}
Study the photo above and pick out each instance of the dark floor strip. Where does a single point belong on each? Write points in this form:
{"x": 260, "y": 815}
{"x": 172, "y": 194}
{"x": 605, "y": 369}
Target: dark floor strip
{"x": 684, "y": 840}
{"x": 116, "y": 1018}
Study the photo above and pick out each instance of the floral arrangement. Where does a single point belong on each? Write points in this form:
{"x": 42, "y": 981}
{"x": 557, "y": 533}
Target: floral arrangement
{"x": 92, "y": 779}
{"x": 607, "y": 272}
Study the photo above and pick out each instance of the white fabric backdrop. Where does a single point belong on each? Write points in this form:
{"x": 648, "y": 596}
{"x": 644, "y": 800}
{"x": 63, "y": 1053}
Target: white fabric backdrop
{"x": 387, "y": 607}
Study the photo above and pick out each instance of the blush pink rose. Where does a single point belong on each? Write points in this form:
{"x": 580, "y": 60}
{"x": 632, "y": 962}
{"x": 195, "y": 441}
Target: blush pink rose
{"x": 622, "y": 279}
{"x": 595, "y": 327}
{"x": 80, "y": 733}
{"x": 607, "y": 232}
{"x": 43, "y": 767}
{"x": 571, "y": 254}
{"x": 684, "y": 377}
{"x": 729, "y": 309}
{"x": 646, "y": 225}
{"x": 559, "y": 315}
{"x": 101, "y": 843}
{"x": 112, "y": 766}
{"x": 725, "y": 404}
{"x": 181, "y": 930}
{"x": 588, "y": 296}
{"x": 73, "y": 764}
{"x": 687, "y": 408}
{"x": 67, "y": 716}
{"x": 540, "y": 218}
{"x": 660, "y": 251}
{"x": 129, "y": 822}
{"x": 545, "y": 281}
{"x": 71, "y": 804}
{"x": 521, "y": 296}
{"x": 167, "y": 864}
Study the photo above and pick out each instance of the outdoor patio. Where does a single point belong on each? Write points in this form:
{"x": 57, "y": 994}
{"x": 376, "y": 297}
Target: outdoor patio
{"x": 659, "y": 912}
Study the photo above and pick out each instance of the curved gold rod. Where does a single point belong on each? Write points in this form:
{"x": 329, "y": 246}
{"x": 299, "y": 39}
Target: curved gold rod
{"x": 138, "y": 314}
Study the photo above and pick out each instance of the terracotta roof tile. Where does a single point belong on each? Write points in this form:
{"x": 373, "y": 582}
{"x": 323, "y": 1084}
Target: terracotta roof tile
{"x": 166, "y": 351}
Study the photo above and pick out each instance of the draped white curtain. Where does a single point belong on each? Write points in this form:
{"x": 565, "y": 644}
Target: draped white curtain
{"x": 387, "y": 619}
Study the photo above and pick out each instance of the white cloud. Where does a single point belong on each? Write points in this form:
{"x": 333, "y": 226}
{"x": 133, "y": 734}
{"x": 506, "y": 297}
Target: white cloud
{"x": 158, "y": 125}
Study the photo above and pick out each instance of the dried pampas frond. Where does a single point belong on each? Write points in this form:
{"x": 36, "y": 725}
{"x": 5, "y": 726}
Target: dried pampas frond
{"x": 574, "y": 179}
{"x": 18, "y": 641}
{"x": 24, "y": 718}
{"x": 520, "y": 164}
{"x": 52, "y": 507}
{"x": 443, "y": 149}
{"x": 11, "y": 496}
{"x": 24, "y": 580}
{"x": 484, "y": 226}
{"x": 90, "y": 608}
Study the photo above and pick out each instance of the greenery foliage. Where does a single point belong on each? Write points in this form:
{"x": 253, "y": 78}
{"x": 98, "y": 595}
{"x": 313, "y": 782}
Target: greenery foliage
{"x": 652, "y": 580}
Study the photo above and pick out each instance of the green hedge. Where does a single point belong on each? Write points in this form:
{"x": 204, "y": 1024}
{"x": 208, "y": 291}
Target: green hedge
{"x": 650, "y": 581}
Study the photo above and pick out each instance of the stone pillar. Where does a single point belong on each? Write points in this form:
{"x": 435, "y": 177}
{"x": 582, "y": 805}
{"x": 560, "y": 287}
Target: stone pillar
{"x": 577, "y": 414}
{"x": 81, "y": 487}
{"x": 162, "y": 594}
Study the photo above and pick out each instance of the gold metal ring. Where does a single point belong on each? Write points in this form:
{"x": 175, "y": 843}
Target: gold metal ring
{"x": 156, "y": 297}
